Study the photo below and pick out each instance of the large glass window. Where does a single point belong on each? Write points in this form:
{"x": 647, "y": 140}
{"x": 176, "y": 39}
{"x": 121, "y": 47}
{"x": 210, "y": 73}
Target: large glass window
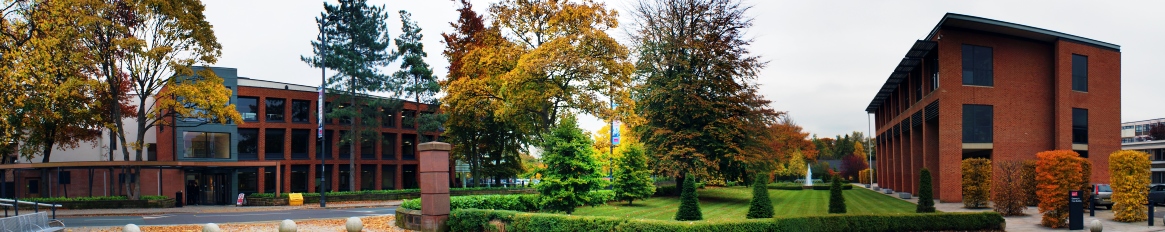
{"x": 408, "y": 119}
{"x": 206, "y": 145}
{"x": 345, "y": 148}
{"x": 249, "y": 180}
{"x": 388, "y": 176}
{"x": 1079, "y": 73}
{"x": 300, "y": 138}
{"x": 1079, "y": 126}
{"x": 977, "y": 123}
{"x": 325, "y": 173}
{"x": 248, "y": 107}
{"x": 388, "y": 146}
{"x": 248, "y": 144}
{"x": 345, "y": 178}
{"x": 299, "y": 178}
{"x": 977, "y": 66}
{"x": 368, "y": 147}
{"x": 269, "y": 179}
{"x": 408, "y": 147}
{"x": 300, "y": 110}
{"x": 328, "y": 145}
{"x": 273, "y": 145}
{"x": 345, "y": 119}
{"x": 275, "y": 109}
{"x": 387, "y": 118}
{"x": 410, "y": 176}
{"x": 367, "y": 177}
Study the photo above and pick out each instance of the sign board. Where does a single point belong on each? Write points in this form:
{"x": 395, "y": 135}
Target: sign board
{"x": 320, "y": 116}
{"x": 240, "y": 201}
{"x": 615, "y": 134}
{"x": 1075, "y": 210}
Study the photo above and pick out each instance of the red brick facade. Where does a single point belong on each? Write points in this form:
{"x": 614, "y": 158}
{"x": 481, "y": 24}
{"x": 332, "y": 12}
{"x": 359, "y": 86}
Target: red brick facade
{"x": 1031, "y": 97}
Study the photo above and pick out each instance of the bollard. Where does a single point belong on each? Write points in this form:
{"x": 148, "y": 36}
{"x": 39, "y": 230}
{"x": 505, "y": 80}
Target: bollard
{"x": 131, "y": 228}
{"x": 1096, "y": 226}
{"x": 1092, "y": 207}
{"x": 1151, "y": 212}
{"x": 287, "y": 226}
{"x": 210, "y": 227}
{"x": 354, "y": 224}
{"x": 35, "y": 207}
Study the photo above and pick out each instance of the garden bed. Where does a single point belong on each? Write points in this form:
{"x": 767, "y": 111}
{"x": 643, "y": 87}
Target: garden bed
{"x": 110, "y": 202}
{"x": 269, "y": 199}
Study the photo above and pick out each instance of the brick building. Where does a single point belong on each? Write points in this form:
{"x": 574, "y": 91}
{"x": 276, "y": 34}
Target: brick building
{"x": 274, "y": 150}
{"x": 977, "y": 87}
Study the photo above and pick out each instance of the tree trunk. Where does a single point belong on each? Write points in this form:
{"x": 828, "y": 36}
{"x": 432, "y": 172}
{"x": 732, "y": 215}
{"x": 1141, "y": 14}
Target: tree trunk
{"x": 355, "y": 135}
{"x": 49, "y": 139}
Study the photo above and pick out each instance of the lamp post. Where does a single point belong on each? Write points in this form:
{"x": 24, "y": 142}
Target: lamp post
{"x": 320, "y": 131}
{"x": 870, "y": 149}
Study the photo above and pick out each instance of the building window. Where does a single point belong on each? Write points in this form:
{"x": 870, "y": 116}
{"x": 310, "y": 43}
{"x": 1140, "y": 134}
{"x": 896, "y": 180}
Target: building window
{"x": 269, "y": 179}
{"x": 977, "y": 68}
{"x": 299, "y": 178}
{"x": 409, "y": 176}
{"x": 368, "y": 147}
{"x": 388, "y": 146}
{"x": 300, "y": 111}
{"x": 327, "y": 145}
{"x": 367, "y": 177}
{"x": 345, "y": 147}
{"x": 248, "y": 180}
{"x": 273, "y": 144}
{"x": 248, "y": 107}
{"x": 1079, "y": 73}
{"x": 300, "y": 138}
{"x": 933, "y": 73}
{"x": 1079, "y": 126}
{"x": 408, "y": 147}
{"x": 206, "y": 145}
{"x": 388, "y": 176}
{"x": 977, "y": 123}
{"x": 275, "y": 109}
{"x": 388, "y": 118}
{"x": 345, "y": 119}
{"x": 408, "y": 119}
{"x": 345, "y": 180}
{"x": 327, "y": 111}
{"x": 248, "y": 144}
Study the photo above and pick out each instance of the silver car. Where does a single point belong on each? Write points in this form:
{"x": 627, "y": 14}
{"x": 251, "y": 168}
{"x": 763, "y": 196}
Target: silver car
{"x": 1102, "y": 193}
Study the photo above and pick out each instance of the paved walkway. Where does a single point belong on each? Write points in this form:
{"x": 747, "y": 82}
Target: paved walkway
{"x": 216, "y": 209}
{"x": 1031, "y": 222}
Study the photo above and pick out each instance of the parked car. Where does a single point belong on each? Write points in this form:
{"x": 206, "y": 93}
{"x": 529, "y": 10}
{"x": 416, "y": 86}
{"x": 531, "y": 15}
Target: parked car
{"x": 1102, "y": 193}
{"x": 1157, "y": 194}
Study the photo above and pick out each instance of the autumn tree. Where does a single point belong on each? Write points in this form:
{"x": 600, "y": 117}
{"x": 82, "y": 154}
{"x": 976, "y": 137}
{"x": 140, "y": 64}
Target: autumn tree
{"x": 17, "y": 27}
{"x": 787, "y": 138}
{"x": 607, "y": 155}
{"x": 566, "y": 62}
{"x": 417, "y": 78}
{"x": 354, "y": 42}
{"x": 478, "y": 57}
{"x": 698, "y": 46}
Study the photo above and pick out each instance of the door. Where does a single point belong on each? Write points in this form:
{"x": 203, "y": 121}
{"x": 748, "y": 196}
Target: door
{"x": 208, "y": 189}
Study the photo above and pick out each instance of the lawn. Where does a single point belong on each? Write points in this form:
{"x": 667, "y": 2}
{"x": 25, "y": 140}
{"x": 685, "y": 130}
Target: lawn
{"x": 732, "y": 203}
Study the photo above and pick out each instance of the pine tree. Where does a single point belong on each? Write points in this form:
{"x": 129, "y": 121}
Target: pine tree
{"x": 761, "y": 206}
{"x": 633, "y": 178}
{"x": 925, "y": 197}
{"x": 689, "y": 204}
{"x": 571, "y": 171}
{"x": 836, "y": 200}
{"x": 417, "y": 77}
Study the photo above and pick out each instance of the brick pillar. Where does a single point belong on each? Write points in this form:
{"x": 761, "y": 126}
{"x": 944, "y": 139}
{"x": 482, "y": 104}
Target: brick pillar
{"x": 917, "y": 154}
{"x": 434, "y": 180}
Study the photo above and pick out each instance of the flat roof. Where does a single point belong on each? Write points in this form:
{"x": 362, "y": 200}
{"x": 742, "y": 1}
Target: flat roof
{"x": 954, "y": 20}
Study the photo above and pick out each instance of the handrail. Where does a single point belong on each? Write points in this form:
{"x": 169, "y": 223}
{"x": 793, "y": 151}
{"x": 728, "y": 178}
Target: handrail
{"x": 29, "y": 203}
{"x": 36, "y": 206}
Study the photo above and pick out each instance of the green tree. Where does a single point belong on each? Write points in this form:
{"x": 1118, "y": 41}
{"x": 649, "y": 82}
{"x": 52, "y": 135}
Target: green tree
{"x": 925, "y": 193}
{"x": 571, "y": 172}
{"x": 760, "y": 206}
{"x": 632, "y": 177}
{"x": 689, "y": 202}
{"x": 417, "y": 77}
{"x": 688, "y": 47}
{"x": 354, "y": 42}
{"x": 836, "y": 200}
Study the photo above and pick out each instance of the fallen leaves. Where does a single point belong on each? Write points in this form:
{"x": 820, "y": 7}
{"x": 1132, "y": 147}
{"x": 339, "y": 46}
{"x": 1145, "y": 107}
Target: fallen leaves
{"x": 381, "y": 223}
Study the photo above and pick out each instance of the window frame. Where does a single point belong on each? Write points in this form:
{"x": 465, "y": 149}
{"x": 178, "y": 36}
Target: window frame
{"x": 978, "y": 65}
{"x": 188, "y": 145}
{"x": 1079, "y": 126}
{"x": 255, "y": 112}
{"x": 281, "y": 139}
{"x": 971, "y": 132}
{"x": 245, "y": 140}
{"x": 1079, "y": 77}
{"x": 306, "y": 114}
{"x": 282, "y": 109}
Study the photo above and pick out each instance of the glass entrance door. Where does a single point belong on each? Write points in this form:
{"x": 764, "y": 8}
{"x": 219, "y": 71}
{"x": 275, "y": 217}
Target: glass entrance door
{"x": 205, "y": 188}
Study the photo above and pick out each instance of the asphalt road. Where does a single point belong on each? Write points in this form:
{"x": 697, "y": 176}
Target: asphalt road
{"x": 219, "y": 218}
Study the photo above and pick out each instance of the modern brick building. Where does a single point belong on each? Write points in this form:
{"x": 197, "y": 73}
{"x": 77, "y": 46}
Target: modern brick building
{"x": 1146, "y": 136}
{"x": 273, "y": 150}
{"x": 977, "y": 87}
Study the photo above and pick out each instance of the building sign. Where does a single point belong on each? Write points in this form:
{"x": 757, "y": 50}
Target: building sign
{"x": 615, "y": 133}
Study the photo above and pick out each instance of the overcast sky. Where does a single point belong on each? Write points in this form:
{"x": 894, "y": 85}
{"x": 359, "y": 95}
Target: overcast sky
{"x": 827, "y": 59}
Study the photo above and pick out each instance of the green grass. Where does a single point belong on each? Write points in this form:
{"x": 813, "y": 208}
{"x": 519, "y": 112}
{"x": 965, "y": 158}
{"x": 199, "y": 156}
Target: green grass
{"x": 732, "y": 203}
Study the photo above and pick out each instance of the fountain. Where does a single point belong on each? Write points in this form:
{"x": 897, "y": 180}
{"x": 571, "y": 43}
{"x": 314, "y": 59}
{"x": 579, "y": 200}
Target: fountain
{"x": 808, "y": 177}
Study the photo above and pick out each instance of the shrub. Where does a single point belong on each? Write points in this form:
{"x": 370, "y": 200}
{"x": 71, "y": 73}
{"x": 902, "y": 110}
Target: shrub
{"x": 760, "y": 206}
{"x": 571, "y": 170}
{"x": 97, "y": 198}
{"x": 632, "y": 177}
{"x": 1057, "y": 172}
{"x": 925, "y": 193}
{"x": 1085, "y": 181}
{"x": 1008, "y": 201}
{"x": 516, "y": 202}
{"x": 865, "y": 177}
{"x": 665, "y": 190}
{"x": 1029, "y": 183}
{"x": 479, "y": 220}
{"x": 976, "y": 182}
{"x": 798, "y": 186}
{"x": 836, "y": 200}
{"x": 1130, "y": 181}
{"x": 689, "y": 204}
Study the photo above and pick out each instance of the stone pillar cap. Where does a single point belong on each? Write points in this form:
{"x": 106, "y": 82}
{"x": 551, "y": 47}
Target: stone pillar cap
{"x": 434, "y": 146}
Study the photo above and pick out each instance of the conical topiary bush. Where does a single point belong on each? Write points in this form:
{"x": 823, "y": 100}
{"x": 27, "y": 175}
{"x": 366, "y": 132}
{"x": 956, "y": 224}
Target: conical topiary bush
{"x": 761, "y": 206}
{"x": 689, "y": 203}
{"x": 836, "y": 200}
{"x": 925, "y": 196}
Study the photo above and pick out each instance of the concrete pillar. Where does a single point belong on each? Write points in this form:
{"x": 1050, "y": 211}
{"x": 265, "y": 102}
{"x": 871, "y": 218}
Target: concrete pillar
{"x": 434, "y": 175}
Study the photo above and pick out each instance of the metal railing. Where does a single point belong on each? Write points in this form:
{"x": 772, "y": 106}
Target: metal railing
{"x": 14, "y": 204}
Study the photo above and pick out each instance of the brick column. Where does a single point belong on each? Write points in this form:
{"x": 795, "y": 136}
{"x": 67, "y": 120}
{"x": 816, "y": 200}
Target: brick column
{"x": 434, "y": 178}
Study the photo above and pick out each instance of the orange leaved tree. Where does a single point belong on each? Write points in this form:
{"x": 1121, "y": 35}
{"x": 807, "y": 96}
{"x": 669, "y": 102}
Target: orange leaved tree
{"x": 1057, "y": 172}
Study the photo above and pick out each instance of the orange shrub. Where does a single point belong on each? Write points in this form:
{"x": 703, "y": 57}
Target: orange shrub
{"x": 1130, "y": 185}
{"x": 1029, "y": 183}
{"x": 1006, "y": 200}
{"x": 1057, "y": 172}
{"x": 976, "y": 182}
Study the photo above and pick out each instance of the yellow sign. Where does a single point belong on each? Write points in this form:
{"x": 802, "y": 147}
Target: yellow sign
{"x": 295, "y": 199}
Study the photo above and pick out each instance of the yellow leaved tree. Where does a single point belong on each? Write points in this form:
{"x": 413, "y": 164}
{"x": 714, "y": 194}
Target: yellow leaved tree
{"x": 1130, "y": 184}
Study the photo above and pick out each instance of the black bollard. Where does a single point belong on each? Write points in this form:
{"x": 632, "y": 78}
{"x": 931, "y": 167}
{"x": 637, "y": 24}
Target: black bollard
{"x": 1151, "y": 212}
{"x": 1092, "y": 207}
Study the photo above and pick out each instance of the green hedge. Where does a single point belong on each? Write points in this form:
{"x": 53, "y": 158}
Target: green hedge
{"x": 98, "y": 198}
{"x": 387, "y": 191}
{"x": 478, "y": 220}
{"x": 796, "y": 186}
{"x": 515, "y": 202}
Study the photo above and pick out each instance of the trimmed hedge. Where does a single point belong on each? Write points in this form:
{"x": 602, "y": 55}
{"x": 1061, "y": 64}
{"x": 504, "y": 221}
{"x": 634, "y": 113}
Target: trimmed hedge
{"x": 797, "y": 186}
{"x": 97, "y": 198}
{"x": 976, "y": 182}
{"x": 479, "y": 220}
{"x": 1130, "y": 180}
{"x": 515, "y": 202}
{"x": 374, "y": 192}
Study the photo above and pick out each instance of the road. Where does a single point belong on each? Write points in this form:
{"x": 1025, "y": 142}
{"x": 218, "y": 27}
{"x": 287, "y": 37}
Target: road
{"x": 219, "y": 218}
